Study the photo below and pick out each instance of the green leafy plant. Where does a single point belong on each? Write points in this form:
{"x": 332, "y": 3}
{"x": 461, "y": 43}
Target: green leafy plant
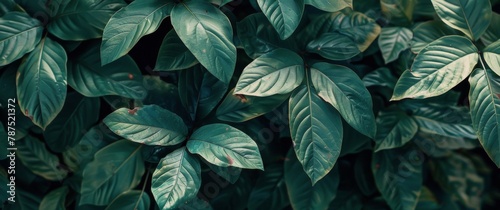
{"x": 250, "y": 104}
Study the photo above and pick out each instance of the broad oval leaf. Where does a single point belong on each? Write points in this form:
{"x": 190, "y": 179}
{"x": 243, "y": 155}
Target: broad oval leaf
{"x": 130, "y": 24}
{"x": 277, "y": 72}
{"x": 399, "y": 12}
{"x": 223, "y": 145}
{"x": 470, "y": 17}
{"x": 449, "y": 121}
{"x": 330, "y": 5}
{"x": 285, "y": 15}
{"x": 392, "y": 41}
{"x": 484, "y": 98}
{"x": 176, "y": 179}
{"x": 89, "y": 78}
{"x": 303, "y": 194}
{"x": 438, "y": 68}
{"x": 77, "y": 115}
{"x": 492, "y": 34}
{"x": 492, "y": 56}
{"x": 39, "y": 160}
{"x": 19, "y": 34}
{"x": 208, "y": 34}
{"x": 334, "y": 46}
{"x": 82, "y": 19}
{"x": 173, "y": 54}
{"x": 151, "y": 125}
{"x": 270, "y": 190}
{"x": 6, "y": 6}
{"x": 316, "y": 131}
{"x": 41, "y": 82}
{"x": 344, "y": 90}
{"x": 240, "y": 108}
{"x": 398, "y": 176}
{"x": 200, "y": 91}
{"x": 116, "y": 168}
{"x": 427, "y": 32}
{"x": 133, "y": 199}
{"x": 56, "y": 199}
{"x": 394, "y": 129}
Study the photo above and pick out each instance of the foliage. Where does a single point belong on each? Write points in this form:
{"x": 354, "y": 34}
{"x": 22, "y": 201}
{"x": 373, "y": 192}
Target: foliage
{"x": 251, "y": 104}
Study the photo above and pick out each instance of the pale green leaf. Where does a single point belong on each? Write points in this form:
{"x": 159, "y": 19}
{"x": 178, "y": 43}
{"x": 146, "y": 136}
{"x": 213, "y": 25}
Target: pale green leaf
{"x": 492, "y": 34}
{"x": 492, "y": 56}
{"x": 56, "y": 199}
{"x": 427, "y": 32}
{"x": 392, "y": 41}
{"x": 284, "y": 15}
{"x": 270, "y": 190}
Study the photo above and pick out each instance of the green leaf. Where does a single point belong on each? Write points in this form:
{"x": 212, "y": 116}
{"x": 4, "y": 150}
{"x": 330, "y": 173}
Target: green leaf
{"x": 398, "y": 176}
{"x": 223, "y": 145}
{"x": 438, "y": 68}
{"x": 380, "y": 77}
{"x": 302, "y": 193}
{"x": 394, "y": 129}
{"x": 470, "y": 17}
{"x": 39, "y": 160}
{"x": 399, "y": 12}
{"x": 492, "y": 34}
{"x": 392, "y": 41}
{"x": 334, "y": 46}
{"x": 56, "y": 199}
{"x": 427, "y": 32}
{"x": 6, "y": 6}
{"x": 173, "y": 54}
{"x": 284, "y": 15}
{"x": 89, "y": 78}
{"x": 19, "y": 34}
{"x": 449, "y": 121}
{"x": 330, "y": 5}
{"x": 25, "y": 200}
{"x": 257, "y": 39}
{"x": 208, "y": 34}
{"x": 116, "y": 168}
{"x": 127, "y": 26}
{"x": 239, "y": 108}
{"x": 277, "y": 72}
{"x": 82, "y": 19}
{"x": 4, "y": 145}
{"x": 133, "y": 199}
{"x": 176, "y": 179}
{"x": 41, "y": 82}
{"x": 150, "y": 125}
{"x": 491, "y": 55}
{"x": 231, "y": 174}
{"x": 344, "y": 90}
{"x": 316, "y": 131}
{"x": 77, "y": 115}
{"x": 200, "y": 91}
{"x": 484, "y": 99}
{"x": 359, "y": 27}
{"x": 270, "y": 190}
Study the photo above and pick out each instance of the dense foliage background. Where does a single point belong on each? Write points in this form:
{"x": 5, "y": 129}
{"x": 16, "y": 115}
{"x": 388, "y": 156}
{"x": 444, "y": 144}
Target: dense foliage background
{"x": 250, "y": 104}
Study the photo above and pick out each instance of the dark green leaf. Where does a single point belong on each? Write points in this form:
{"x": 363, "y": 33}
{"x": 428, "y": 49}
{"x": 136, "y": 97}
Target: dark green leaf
{"x": 151, "y": 125}
{"x": 492, "y": 34}
{"x": 334, "y": 46}
{"x": 392, "y": 41}
{"x": 427, "y": 32}
{"x": 41, "y": 82}
{"x": 88, "y": 77}
{"x": 270, "y": 191}
{"x": 344, "y": 90}
{"x": 301, "y": 191}
{"x": 438, "y": 68}
{"x": 380, "y": 77}
{"x": 330, "y": 5}
{"x": 39, "y": 160}
{"x": 82, "y": 19}
{"x": 394, "y": 129}
{"x": 398, "y": 176}
{"x": 56, "y": 199}
{"x": 492, "y": 56}
{"x": 223, "y": 145}
{"x": 176, "y": 179}
{"x": 316, "y": 131}
{"x": 116, "y": 168}
{"x": 208, "y": 34}
{"x": 231, "y": 174}
{"x": 173, "y": 54}
{"x": 130, "y": 24}
{"x": 450, "y": 121}
{"x": 19, "y": 34}
{"x": 133, "y": 199}
{"x": 6, "y": 6}
{"x": 285, "y": 15}
{"x": 77, "y": 115}
{"x": 484, "y": 97}
{"x": 277, "y": 72}
{"x": 399, "y": 12}
{"x": 470, "y": 17}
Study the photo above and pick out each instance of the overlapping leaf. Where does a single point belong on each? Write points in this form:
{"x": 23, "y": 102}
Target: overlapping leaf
{"x": 130, "y": 24}
{"x": 392, "y": 41}
{"x": 41, "y": 82}
{"x": 399, "y": 12}
{"x": 285, "y": 15}
{"x": 270, "y": 191}
{"x": 330, "y": 5}
{"x": 151, "y": 125}
{"x": 492, "y": 56}
{"x": 492, "y": 34}
{"x": 438, "y": 68}
{"x": 334, "y": 46}
{"x": 394, "y": 129}
{"x": 427, "y": 32}
{"x": 56, "y": 199}
{"x": 133, "y": 199}
{"x": 173, "y": 54}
